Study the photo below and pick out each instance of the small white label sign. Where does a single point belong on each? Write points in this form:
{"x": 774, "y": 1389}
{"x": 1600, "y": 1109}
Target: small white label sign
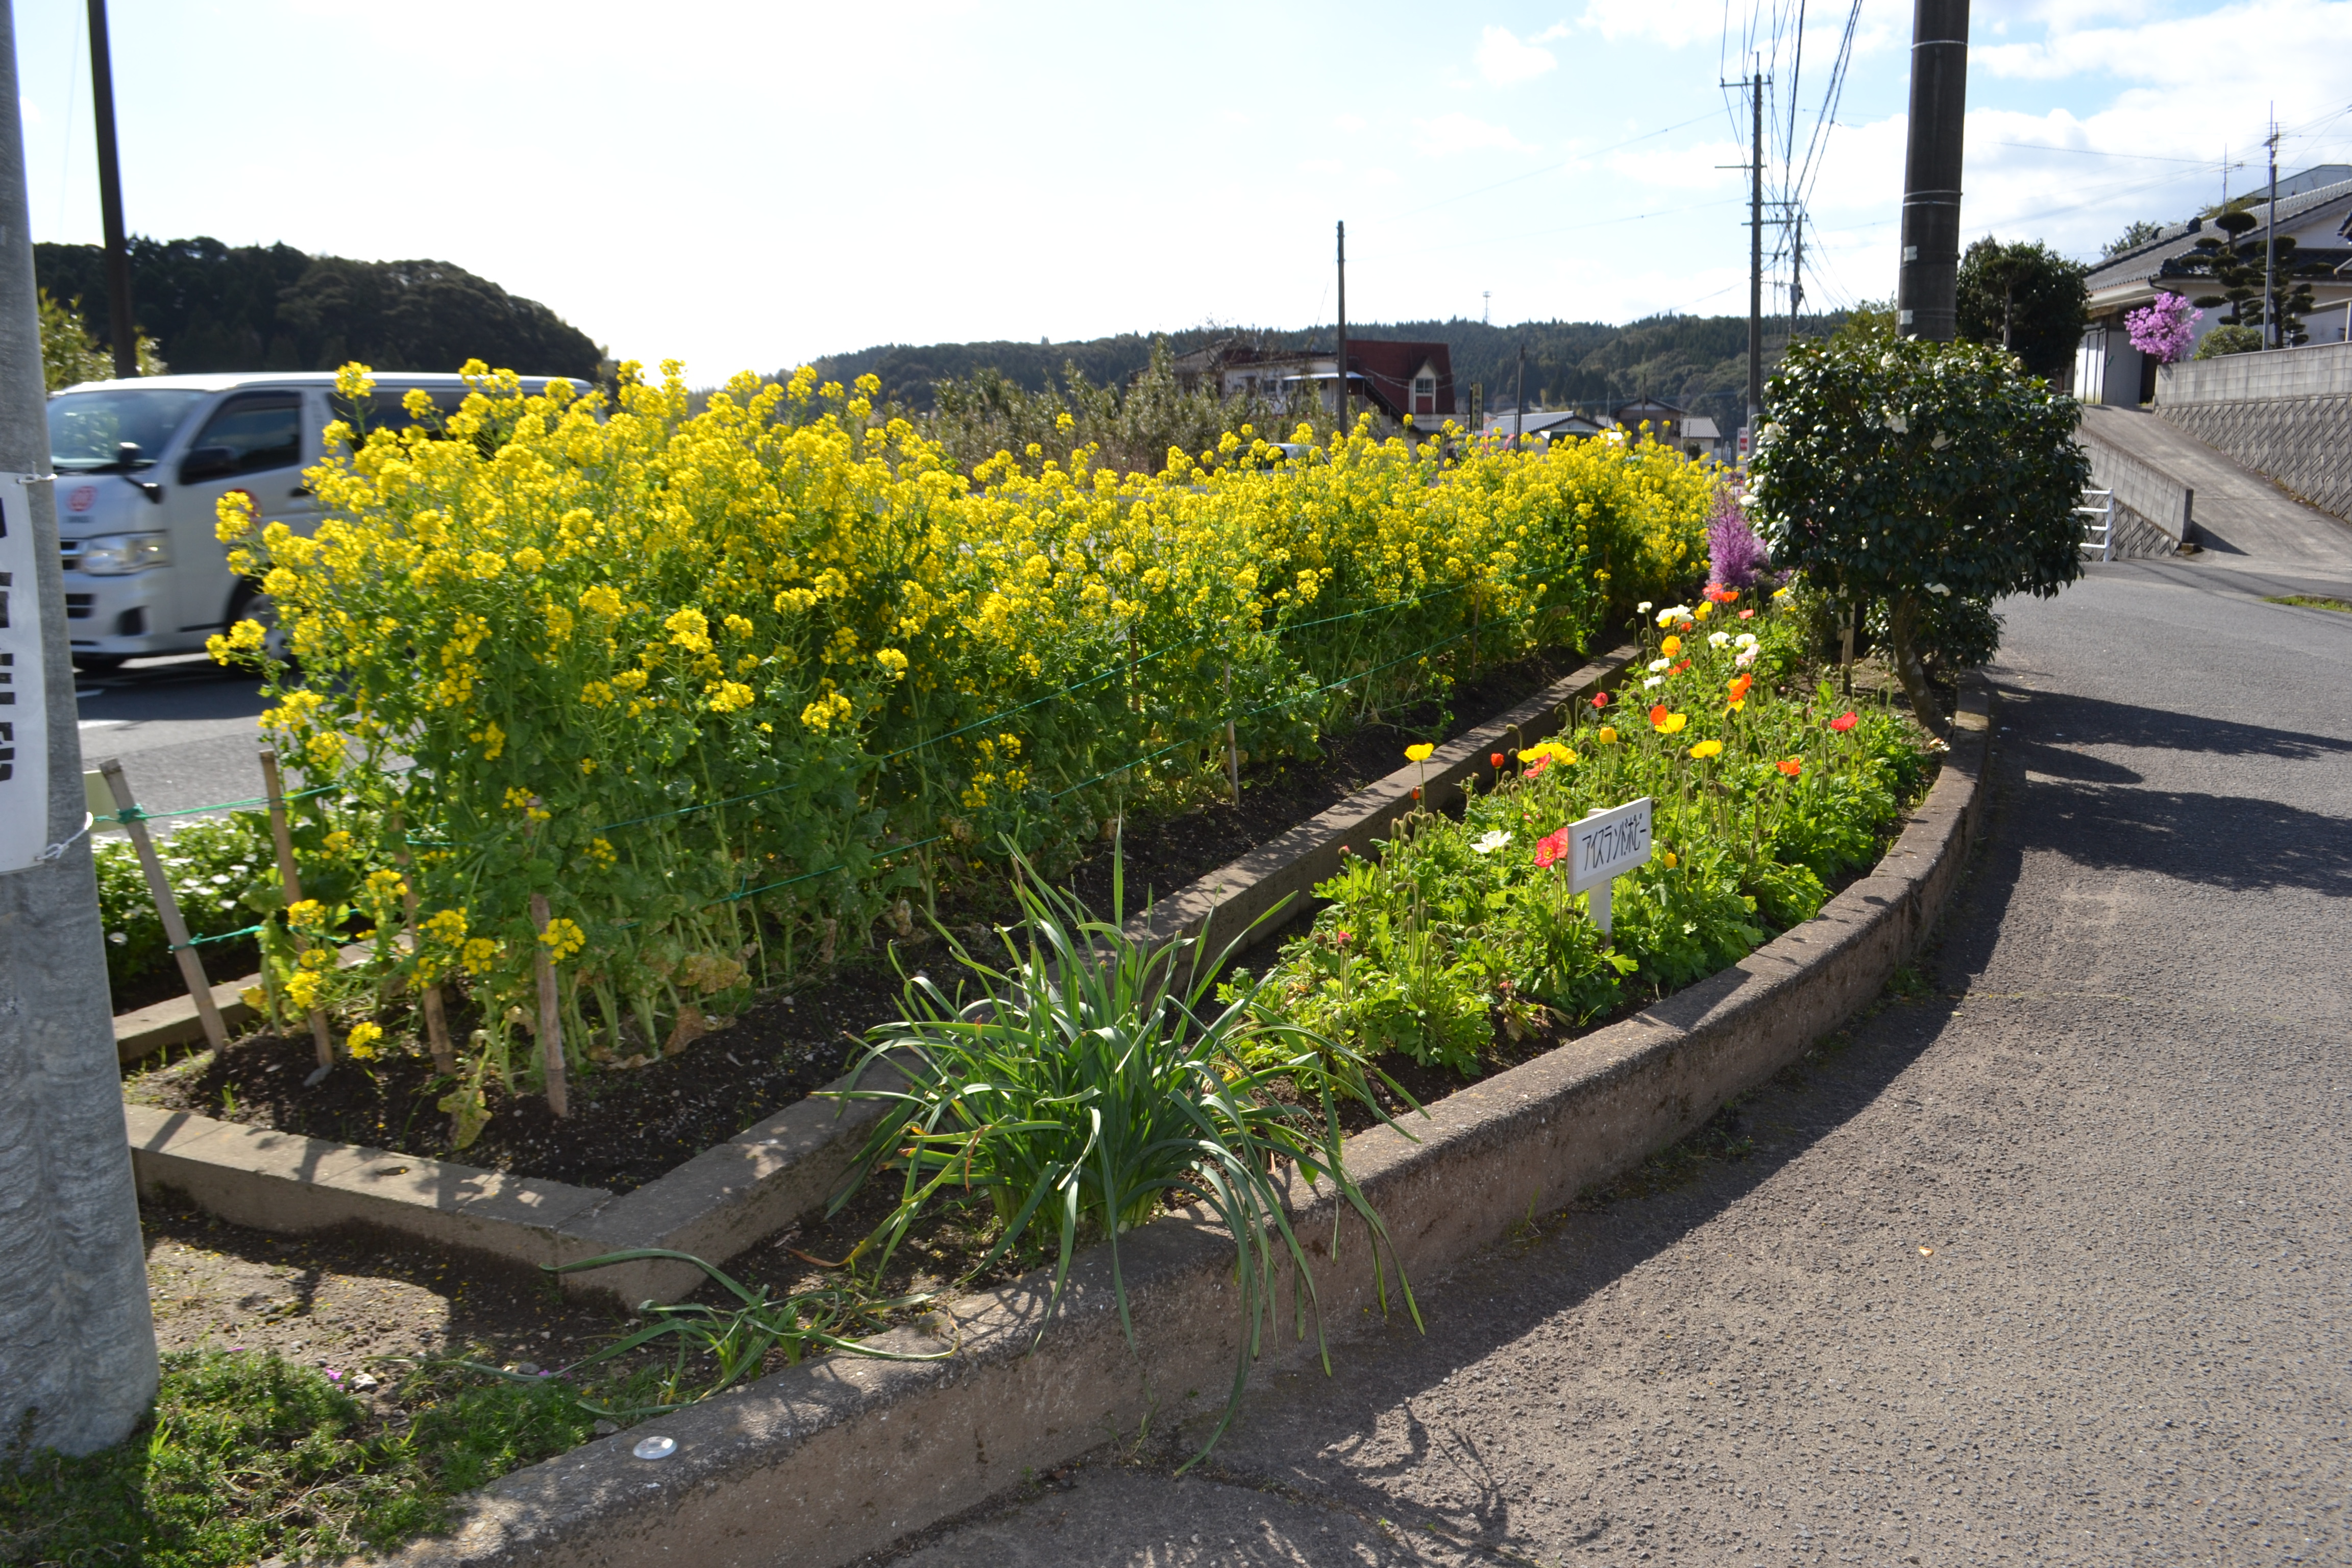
{"x": 24, "y": 696}
{"x": 1608, "y": 844}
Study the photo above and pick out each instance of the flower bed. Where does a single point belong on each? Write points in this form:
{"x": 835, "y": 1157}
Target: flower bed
{"x": 683, "y": 703}
{"x": 1765, "y": 794}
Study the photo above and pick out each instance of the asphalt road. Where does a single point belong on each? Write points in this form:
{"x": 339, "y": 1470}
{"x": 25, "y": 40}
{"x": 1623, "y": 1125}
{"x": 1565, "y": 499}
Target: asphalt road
{"x": 2047, "y": 1261}
{"x": 183, "y": 728}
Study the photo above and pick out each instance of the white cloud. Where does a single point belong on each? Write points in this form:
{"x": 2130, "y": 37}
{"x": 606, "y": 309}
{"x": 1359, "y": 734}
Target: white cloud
{"x": 26, "y": 107}
{"x": 1451, "y": 133}
{"x": 1350, "y": 123}
{"x": 1673, "y": 22}
{"x": 2232, "y": 44}
{"x": 1503, "y": 58}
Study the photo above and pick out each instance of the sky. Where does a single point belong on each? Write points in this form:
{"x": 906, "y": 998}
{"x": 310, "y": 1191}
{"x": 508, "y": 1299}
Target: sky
{"x": 751, "y": 185}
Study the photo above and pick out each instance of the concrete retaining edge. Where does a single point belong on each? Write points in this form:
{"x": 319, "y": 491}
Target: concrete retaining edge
{"x": 734, "y": 1193}
{"x": 814, "y": 1466}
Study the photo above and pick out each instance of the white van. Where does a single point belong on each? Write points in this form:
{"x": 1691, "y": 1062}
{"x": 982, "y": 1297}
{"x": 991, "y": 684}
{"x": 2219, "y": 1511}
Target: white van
{"x": 141, "y": 466}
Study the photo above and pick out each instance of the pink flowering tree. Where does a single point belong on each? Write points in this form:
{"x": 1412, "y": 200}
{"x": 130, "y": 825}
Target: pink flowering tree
{"x": 2164, "y": 329}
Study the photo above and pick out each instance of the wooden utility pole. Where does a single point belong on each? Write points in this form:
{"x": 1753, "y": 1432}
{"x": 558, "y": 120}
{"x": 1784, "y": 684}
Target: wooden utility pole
{"x": 110, "y": 198}
{"x": 1343, "y": 324}
{"x": 1520, "y": 399}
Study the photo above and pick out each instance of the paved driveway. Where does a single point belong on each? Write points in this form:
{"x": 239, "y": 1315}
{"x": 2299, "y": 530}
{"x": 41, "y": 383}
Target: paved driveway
{"x": 2046, "y": 1262}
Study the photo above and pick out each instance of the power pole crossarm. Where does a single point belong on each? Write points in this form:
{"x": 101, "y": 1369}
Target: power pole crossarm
{"x": 1927, "y": 292}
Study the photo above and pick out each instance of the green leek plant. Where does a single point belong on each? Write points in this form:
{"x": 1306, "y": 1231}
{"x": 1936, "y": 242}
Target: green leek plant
{"x": 1089, "y": 1083}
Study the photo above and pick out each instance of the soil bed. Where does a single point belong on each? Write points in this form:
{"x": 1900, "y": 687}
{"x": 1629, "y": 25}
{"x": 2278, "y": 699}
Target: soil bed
{"x": 627, "y": 1127}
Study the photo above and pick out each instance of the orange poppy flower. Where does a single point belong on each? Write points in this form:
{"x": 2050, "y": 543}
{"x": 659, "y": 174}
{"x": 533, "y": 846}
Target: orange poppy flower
{"x": 1792, "y": 767}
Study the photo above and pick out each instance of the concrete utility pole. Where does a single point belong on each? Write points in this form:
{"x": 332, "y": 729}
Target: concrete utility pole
{"x": 2271, "y": 337}
{"x": 1756, "y": 258}
{"x": 1926, "y": 293}
{"x": 77, "y": 1344}
{"x": 1342, "y": 366}
{"x": 110, "y": 198}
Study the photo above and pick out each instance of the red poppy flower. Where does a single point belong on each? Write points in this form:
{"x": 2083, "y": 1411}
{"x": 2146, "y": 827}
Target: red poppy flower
{"x": 1678, "y": 669}
{"x": 1658, "y": 714}
{"x": 1416, "y": 792}
{"x": 1792, "y": 767}
{"x": 1730, "y": 596}
{"x": 1534, "y": 770}
{"x": 1747, "y": 614}
{"x": 1739, "y": 687}
{"x": 1495, "y": 758}
{"x": 1843, "y": 721}
{"x": 1601, "y": 699}
{"x": 1551, "y": 847}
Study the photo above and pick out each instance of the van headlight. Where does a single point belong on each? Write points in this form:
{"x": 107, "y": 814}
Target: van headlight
{"x": 119, "y": 554}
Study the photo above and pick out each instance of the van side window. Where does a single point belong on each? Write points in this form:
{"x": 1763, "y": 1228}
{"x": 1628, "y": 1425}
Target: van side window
{"x": 263, "y": 431}
{"x": 385, "y": 409}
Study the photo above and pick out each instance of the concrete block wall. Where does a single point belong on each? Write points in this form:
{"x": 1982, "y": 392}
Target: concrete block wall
{"x": 2287, "y": 415}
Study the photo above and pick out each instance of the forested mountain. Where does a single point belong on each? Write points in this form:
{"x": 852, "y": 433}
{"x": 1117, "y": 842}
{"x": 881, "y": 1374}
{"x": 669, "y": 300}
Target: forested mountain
{"x": 1699, "y": 362}
{"x": 210, "y": 305}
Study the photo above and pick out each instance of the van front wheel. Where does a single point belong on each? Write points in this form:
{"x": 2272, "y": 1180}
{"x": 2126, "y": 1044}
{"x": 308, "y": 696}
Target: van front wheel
{"x": 250, "y": 604}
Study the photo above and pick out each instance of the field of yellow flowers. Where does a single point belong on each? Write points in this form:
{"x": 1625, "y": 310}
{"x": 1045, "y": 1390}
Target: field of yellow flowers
{"x": 681, "y": 695}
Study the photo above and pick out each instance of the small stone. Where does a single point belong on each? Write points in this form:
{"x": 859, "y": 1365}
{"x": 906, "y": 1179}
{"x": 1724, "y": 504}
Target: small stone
{"x": 606, "y": 1428}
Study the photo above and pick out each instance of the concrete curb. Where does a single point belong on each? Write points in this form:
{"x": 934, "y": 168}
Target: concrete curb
{"x": 821, "y": 1463}
{"x": 732, "y": 1194}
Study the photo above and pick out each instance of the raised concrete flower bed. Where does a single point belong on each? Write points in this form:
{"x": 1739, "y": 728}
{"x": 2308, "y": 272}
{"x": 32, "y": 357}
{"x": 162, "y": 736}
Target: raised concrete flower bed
{"x": 814, "y": 1466}
{"x": 768, "y": 1176}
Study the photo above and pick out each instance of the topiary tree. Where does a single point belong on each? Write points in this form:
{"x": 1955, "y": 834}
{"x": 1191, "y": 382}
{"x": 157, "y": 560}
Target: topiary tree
{"x": 1908, "y": 471}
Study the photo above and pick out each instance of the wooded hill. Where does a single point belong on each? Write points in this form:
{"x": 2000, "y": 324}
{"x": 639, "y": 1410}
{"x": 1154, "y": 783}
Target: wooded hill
{"x": 210, "y": 305}
{"x": 1698, "y": 362}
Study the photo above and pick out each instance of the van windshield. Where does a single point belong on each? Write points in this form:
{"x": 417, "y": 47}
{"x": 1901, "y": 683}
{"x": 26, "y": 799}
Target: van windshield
{"x": 88, "y": 430}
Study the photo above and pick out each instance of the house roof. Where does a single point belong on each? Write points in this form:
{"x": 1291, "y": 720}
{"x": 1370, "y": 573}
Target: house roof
{"x": 2144, "y": 264}
{"x": 1385, "y": 371}
{"x": 1699, "y": 427}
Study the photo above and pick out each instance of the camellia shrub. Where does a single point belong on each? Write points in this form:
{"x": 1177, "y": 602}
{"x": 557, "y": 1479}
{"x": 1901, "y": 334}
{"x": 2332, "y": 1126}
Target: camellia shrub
{"x": 727, "y": 683}
{"x": 1901, "y": 470}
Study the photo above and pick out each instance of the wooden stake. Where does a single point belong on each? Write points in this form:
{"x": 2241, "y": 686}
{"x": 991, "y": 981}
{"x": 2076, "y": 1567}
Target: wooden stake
{"x": 167, "y": 907}
{"x": 437, "y": 1022}
{"x": 291, "y": 881}
{"x": 550, "y": 1017}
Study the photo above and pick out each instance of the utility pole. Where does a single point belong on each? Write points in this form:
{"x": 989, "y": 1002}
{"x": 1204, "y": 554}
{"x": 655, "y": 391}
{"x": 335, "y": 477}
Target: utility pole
{"x": 110, "y": 198}
{"x": 1927, "y": 289}
{"x": 1487, "y": 312}
{"x": 1756, "y": 258}
{"x": 1343, "y": 324}
{"x": 2271, "y": 337}
{"x": 1519, "y": 400}
{"x": 76, "y": 1343}
{"x": 1796, "y": 273}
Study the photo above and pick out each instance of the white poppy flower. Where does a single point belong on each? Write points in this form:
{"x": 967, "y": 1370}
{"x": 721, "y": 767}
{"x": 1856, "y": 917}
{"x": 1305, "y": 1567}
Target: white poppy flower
{"x": 1746, "y": 656}
{"x": 1488, "y": 843}
{"x": 1653, "y": 680}
{"x": 1718, "y": 639}
{"x": 1642, "y": 608}
{"x": 1746, "y": 639}
{"x": 1658, "y": 664}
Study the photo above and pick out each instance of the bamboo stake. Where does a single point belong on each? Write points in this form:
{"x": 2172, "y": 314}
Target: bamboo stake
{"x": 437, "y": 1022}
{"x": 1232, "y": 745}
{"x": 291, "y": 881}
{"x": 167, "y": 907}
{"x": 551, "y": 1019}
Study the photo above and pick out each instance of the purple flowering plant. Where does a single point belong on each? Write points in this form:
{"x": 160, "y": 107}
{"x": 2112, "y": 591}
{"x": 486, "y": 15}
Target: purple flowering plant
{"x": 1735, "y": 556}
{"x": 2164, "y": 329}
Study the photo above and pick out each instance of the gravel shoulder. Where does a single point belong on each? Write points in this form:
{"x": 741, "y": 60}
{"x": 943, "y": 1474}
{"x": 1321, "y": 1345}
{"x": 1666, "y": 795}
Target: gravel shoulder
{"x": 2046, "y": 1260}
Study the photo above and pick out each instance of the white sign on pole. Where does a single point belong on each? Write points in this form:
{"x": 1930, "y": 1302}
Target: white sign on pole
{"x": 23, "y": 696}
{"x": 1604, "y": 846}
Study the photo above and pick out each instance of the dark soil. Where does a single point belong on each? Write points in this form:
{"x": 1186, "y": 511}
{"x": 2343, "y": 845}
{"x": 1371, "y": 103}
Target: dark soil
{"x": 627, "y": 1127}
